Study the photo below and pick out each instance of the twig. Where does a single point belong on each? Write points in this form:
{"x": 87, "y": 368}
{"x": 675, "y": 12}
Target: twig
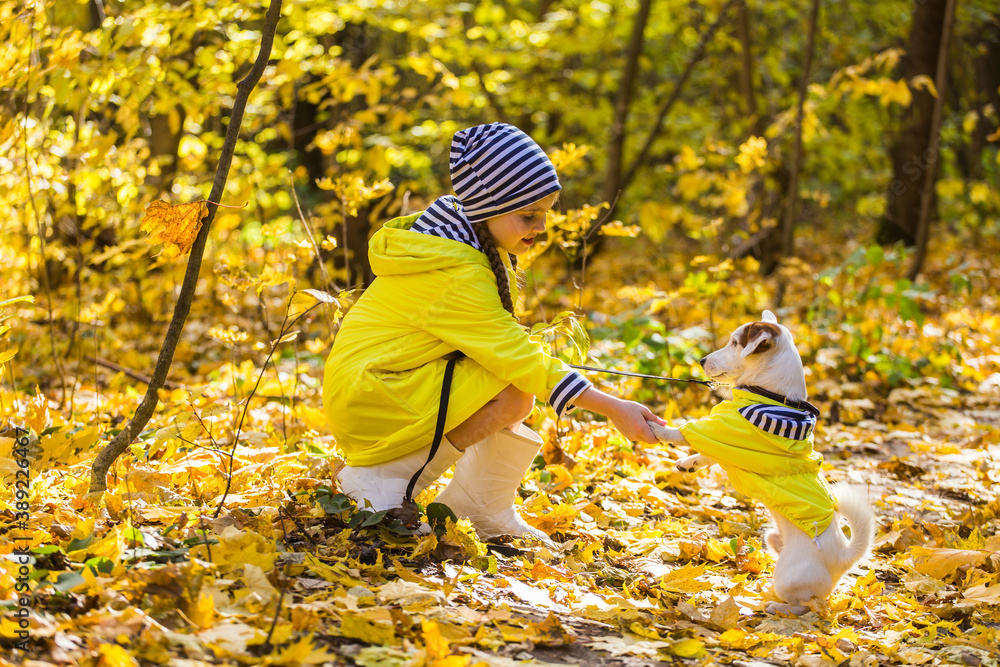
{"x": 331, "y": 286}
{"x": 111, "y": 451}
{"x": 347, "y": 254}
{"x": 298, "y": 525}
{"x": 281, "y": 592}
{"x": 282, "y": 332}
{"x": 204, "y": 536}
{"x": 135, "y": 375}
{"x": 583, "y": 259}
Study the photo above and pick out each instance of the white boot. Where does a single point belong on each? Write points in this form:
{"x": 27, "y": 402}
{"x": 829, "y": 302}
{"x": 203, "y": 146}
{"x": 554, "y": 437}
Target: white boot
{"x": 384, "y": 484}
{"x": 486, "y": 481}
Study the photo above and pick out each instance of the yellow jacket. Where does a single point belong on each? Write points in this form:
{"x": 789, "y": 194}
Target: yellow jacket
{"x": 431, "y": 297}
{"x": 782, "y": 472}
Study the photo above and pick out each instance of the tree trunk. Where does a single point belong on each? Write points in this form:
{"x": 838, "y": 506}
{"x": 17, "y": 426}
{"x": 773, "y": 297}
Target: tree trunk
{"x": 616, "y": 143}
{"x": 911, "y": 155}
{"x": 788, "y": 226}
{"x": 746, "y": 69}
{"x": 941, "y": 83}
{"x": 164, "y": 142}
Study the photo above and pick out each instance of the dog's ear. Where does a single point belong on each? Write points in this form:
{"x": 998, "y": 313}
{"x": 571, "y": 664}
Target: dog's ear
{"x": 758, "y": 337}
{"x": 768, "y": 316}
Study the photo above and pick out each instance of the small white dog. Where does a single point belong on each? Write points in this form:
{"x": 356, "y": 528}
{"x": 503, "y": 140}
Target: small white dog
{"x": 763, "y": 439}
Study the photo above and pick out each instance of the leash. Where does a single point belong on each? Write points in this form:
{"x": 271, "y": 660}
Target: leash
{"x": 708, "y": 383}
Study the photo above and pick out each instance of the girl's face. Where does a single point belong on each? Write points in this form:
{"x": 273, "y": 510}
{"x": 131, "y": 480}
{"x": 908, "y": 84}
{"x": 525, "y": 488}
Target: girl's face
{"x": 515, "y": 232}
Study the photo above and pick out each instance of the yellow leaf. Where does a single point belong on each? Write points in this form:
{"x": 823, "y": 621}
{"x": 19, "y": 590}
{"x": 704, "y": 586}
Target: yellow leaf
{"x": 202, "y": 612}
{"x": 688, "y": 159}
{"x": 435, "y": 645}
{"x": 752, "y": 154}
{"x": 561, "y": 477}
{"x": 37, "y": 417}
{"x": 452, "y": 661}
{"x": 113, "y": 655}
{"x": 60, "y": 446}
{"x": 979, "y": 193}
{"x": 685, "y": 580}
{"x": 7, "y": 355}
{"x": 942, "y": 563}
{"x": 110, "y": 546}
{"x": 565, "y": 157}
{"x": 463, "y": 535}
{"x": 175, "y": 226}
{"x": 303, "y": 300}
{"x": 425, "y": 545}
{"x": 922, "y": 81}
{"x": 311, "y": 417}
{"x": 645, "y": 631}
{"x": 552, "y": 518}
{"x": 237, "y": 548}
{"x": 369, "y": 630}
{"x": 716, "y": 551}
{"x": 687, "y": 648}
{"x": 692, "y": 185}
{"x": 616, "y": 228}
{"x": 303, "y": 652}
{"x": 894, "y": 91}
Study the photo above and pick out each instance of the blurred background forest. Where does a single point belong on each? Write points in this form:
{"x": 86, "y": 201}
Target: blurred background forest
{"x": 742, "y": 148}
{"x": 834, "y": 160}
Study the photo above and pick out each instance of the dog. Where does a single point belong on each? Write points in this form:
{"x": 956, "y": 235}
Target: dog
{"x": 762, "y": 438}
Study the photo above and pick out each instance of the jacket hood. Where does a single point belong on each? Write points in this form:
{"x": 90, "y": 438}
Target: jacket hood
{"x": 395, "y": 250}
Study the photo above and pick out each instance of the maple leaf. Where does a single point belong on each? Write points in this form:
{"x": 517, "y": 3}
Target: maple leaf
{"x": 628, "y": 644}
{"x": 303, "y": 652}
{"x": 174, "y": 225}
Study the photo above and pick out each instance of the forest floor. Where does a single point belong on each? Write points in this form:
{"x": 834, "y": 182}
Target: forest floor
{"x": 647, "y": 565}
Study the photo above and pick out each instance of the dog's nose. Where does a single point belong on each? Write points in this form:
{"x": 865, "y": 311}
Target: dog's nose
{"x": 702, "y": 362}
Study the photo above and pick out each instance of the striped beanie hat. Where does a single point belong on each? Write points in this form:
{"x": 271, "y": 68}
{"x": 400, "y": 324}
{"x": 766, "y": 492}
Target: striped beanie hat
{"x": 495, "y": 169}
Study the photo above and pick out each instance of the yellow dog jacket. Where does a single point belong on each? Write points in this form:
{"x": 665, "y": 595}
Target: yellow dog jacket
{"x": 766, "y": 448}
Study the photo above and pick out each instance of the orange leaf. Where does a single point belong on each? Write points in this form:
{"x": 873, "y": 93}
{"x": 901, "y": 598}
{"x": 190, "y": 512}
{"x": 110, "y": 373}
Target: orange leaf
{"x": 174, "y": 226}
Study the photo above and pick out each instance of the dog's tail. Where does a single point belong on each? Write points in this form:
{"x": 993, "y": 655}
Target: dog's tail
{"x": 853, "y": 505}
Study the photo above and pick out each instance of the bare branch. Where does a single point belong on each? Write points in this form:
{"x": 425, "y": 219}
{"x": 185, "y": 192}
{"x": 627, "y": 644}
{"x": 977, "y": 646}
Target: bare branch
{"x": 114, "y": 449}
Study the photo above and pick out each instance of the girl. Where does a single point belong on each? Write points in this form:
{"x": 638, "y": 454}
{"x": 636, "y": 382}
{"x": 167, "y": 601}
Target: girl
{"x": 445, "y": 286}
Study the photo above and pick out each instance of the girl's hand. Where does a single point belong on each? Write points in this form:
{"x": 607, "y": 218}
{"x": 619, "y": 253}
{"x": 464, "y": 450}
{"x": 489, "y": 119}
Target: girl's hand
{"x": 630, "y": 418}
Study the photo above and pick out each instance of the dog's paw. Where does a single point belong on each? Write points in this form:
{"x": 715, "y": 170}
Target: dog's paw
{"x": 693, "y": 462}
{"x": 782, "y": 609}
{"x": 665, "y": 433}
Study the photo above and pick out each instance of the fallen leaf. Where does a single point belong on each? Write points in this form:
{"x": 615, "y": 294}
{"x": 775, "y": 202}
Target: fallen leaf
{"x": 942, "y": 563}
{"x": 984, "y": 594}
{"x": 727, "y": 614}
{"x": 628, "y": 644}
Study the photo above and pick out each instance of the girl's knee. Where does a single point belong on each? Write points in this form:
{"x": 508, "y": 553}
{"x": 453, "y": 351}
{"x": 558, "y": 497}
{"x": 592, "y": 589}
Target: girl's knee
{"x": 516, "y": 404}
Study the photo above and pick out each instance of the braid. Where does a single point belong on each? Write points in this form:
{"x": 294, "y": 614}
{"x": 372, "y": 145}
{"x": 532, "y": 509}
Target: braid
{"x": 499, "y": 270}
